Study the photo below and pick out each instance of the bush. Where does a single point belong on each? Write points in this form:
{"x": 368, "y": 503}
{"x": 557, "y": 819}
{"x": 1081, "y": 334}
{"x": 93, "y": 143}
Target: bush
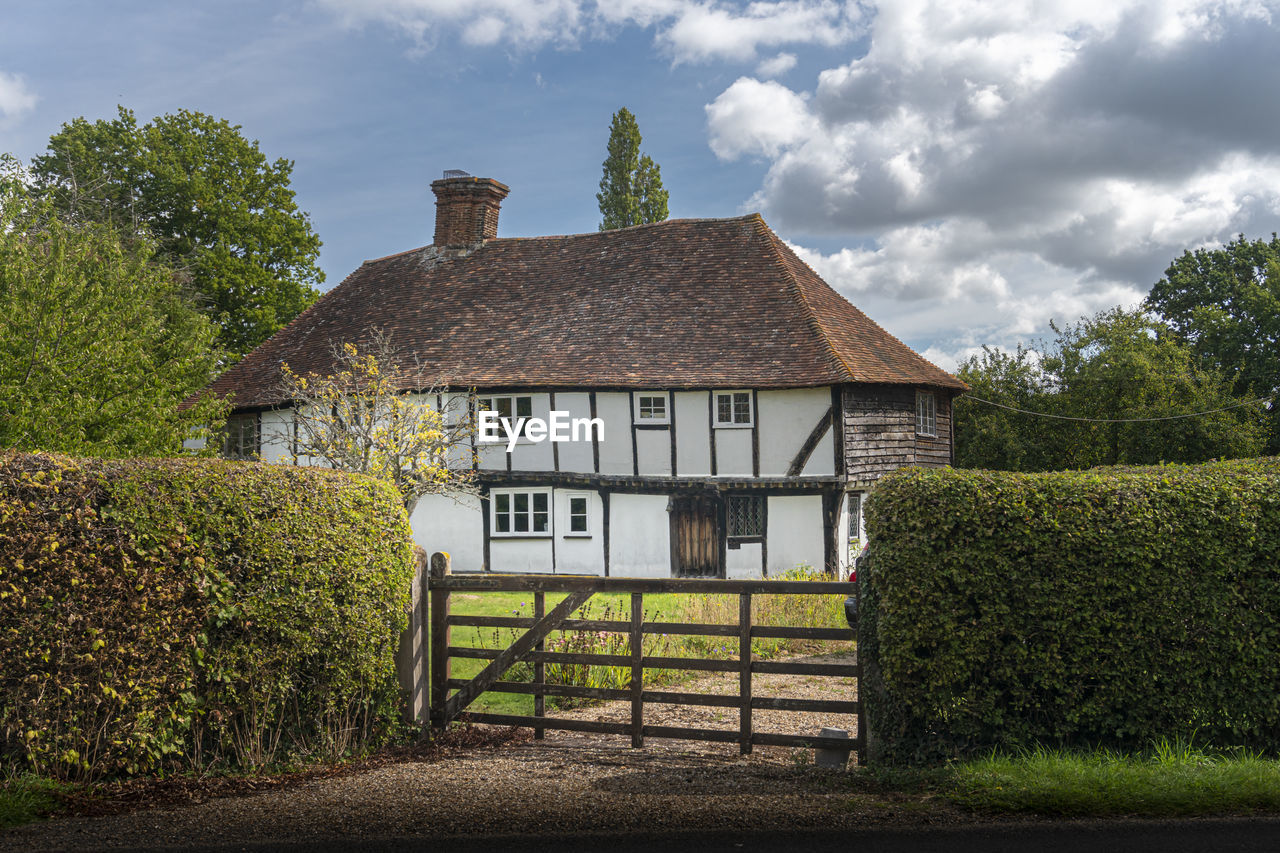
{"x": 1101, "y": 607}
{"x": 168, "y": 613}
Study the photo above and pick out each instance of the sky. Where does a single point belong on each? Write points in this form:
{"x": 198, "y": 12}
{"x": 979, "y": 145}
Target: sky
{"x": 964, "y": 172}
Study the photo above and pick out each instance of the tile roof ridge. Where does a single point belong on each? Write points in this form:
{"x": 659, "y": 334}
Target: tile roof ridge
{"x": 691, "y": 220}
{"x": 797, "y": 293}
{"x": 390, "y": 257}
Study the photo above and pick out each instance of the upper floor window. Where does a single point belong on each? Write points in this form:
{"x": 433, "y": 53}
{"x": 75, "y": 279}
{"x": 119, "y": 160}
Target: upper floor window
{"x": 926, "y": 414}
{"x": 507, "y": 406}
{"x": 734, "y": 409}
{"x": 651, "y": 408}
{"x": 521, "y": 512}
{"x": 241, "y": 437}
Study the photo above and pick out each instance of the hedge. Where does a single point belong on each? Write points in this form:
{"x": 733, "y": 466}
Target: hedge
{"x": 160, "y": 614}
{"x": 1102, "y": 607}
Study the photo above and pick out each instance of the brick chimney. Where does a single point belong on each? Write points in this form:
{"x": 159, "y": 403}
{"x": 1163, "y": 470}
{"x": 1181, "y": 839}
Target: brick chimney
{"x": 466, "y": 209}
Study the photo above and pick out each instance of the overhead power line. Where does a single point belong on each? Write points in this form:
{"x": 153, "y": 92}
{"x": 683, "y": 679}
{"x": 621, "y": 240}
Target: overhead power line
{"x": 1115, "y": 420}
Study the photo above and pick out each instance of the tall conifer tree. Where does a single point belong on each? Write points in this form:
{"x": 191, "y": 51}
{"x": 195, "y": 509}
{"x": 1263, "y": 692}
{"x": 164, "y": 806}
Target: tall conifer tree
{"x": 631, "y": 190}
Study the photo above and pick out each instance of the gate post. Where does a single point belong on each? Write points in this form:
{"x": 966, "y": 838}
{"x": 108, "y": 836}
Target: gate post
{"x": 439, "y": 639}
{"x": 744, "y": 673}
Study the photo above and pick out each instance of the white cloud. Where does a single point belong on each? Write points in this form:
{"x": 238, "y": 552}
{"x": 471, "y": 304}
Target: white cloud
{"x": 1002, "y": 163}
{"x": 686, "y": 30}
{"x": 777, "y": 65}
{"x": 15, "y": 98}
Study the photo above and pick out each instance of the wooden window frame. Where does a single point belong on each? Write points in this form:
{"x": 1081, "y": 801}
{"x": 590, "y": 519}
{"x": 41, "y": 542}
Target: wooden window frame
{"x": 512, "y": 399}
{"x": 511, "y": 513}
{"x": 569, "y": 532}
{"x": 733, "y": 422}
{"x": 640, "y": 418}
{"x": 926, "y": 414}
{"x": 238, "y": 436}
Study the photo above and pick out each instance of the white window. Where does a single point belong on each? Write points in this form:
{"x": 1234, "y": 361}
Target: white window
{"x": 926, "y": 414}
{"x": 241, "y": 436}
{"x": 507, "y": 406}
{"x": 745, "y": 516}
{"x": 733, "y": 409}
{"x": 579, "y": 507}
{"x": 521, "y": 512}
{"x": 651, "y": 408}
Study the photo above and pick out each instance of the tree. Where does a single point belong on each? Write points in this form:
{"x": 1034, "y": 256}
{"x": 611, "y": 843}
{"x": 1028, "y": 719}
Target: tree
{"x": 631, "y": 190}
{"x": 1225, "y": 304}
{"x": 98, "y": 346}
{"x": 222, "y": 215}
{"x": 360, "y": 419}
{"x": 1113, "y": 389}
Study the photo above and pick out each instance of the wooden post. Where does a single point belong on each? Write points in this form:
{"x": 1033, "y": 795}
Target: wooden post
{"x": 744, "y": 673}
{"x": 439, "y": 641}
{"x": 637, "y": 671}
{"x": 539, "y": 668}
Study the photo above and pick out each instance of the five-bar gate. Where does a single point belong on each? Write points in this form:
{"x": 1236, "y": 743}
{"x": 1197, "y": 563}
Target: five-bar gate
{"x": 450, "y": 697}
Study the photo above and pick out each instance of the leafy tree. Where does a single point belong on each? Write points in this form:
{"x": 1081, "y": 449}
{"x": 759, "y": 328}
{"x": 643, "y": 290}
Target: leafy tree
{"x": 1225, "y": 304}
{"x": 98, "y": 345}
{"x": 631, "y": 190}
{"x": 1113, "y": 389}
{"x": 222, "y": 215}
{"x": 358, "y": 419}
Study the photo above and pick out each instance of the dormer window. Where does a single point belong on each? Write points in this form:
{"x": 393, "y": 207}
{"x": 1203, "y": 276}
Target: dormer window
{"x": 734, "y": 409}
{"x": 926, "y": 414}
{"x": 652, "y": 407}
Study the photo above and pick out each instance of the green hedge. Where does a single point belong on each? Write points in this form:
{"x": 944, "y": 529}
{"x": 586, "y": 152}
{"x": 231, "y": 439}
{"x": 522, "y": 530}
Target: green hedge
{"x": 159, "y": 614}
{"x": 1102, "y": 607}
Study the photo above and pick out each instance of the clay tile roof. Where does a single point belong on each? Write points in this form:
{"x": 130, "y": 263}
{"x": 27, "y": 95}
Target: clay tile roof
{"x": 687, "y": 303}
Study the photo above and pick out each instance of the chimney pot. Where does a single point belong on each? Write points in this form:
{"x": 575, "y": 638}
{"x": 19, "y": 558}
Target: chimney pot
{"x": 466, "y": 209}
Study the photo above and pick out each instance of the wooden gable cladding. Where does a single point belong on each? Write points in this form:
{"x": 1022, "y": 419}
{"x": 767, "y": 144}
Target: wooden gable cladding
{"x": 880, "y": 431}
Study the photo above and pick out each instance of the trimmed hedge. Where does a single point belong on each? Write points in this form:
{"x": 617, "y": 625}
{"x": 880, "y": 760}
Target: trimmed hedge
{"x": 159, "y": 614}
{"x": 1101, "y": 607}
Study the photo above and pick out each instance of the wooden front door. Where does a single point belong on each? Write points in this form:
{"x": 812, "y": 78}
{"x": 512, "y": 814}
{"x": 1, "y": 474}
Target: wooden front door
{"x": 695, "y": 536}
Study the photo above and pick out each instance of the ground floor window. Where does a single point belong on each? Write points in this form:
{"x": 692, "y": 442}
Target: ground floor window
{"x": 521, "y": 512}
{"x": 745, "y": 516}
{"x": 240, "y": 439}
{"x": 578, "y": 515}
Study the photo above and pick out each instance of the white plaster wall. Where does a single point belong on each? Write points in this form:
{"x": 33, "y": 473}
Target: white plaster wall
{"x": 577, "y": 554}
{"x": 842, "y": 535}
{"x": 614, "y": 408}
{"x": 795, "y": 532}
{"x": 823, "y": 461}
{"x": 639, "y": 536}
{"x": 576, "y": 455}
{"x": 785, "y": 418}
{"x": 528, "y": 555}
{"x": 733, "y": 452}
{"x": 653, "y": 449}
{"x": 745, "y": 561}
{"x": 276, "y": 435}
{"x": 441, "y": 523}
{"x": 693, "y": 433}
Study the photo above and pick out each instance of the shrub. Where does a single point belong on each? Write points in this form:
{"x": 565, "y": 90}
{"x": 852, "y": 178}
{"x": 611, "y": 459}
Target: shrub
{"x": 1100, "y": 607}
{"x": 168, "y": 613}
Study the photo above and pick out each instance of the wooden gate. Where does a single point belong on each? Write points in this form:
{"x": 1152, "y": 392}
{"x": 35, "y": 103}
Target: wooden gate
{"x": 451, "y": 696}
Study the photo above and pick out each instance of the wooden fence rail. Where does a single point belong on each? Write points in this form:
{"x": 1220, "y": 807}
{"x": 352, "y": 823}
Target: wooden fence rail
{"x": 451, "y": 696}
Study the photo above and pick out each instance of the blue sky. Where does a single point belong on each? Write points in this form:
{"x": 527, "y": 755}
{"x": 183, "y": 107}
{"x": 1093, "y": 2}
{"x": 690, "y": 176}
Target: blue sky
{"x": 963, "y": 172}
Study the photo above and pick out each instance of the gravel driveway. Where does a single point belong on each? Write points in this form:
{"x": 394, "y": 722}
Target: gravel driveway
{"x": 569, "y": 782}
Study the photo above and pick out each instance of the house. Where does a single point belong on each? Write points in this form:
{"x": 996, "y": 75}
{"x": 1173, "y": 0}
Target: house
{"x": 735, "y": 407}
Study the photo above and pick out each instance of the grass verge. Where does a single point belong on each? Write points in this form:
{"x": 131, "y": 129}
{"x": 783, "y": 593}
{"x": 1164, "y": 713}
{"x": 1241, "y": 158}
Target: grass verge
{"x": 24, "y": 798}
{"x": 1172, "y": 779}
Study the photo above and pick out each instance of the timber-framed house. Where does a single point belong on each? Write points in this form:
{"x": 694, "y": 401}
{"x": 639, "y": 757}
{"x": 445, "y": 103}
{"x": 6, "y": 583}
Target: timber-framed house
{"x": 741, "y": 406}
